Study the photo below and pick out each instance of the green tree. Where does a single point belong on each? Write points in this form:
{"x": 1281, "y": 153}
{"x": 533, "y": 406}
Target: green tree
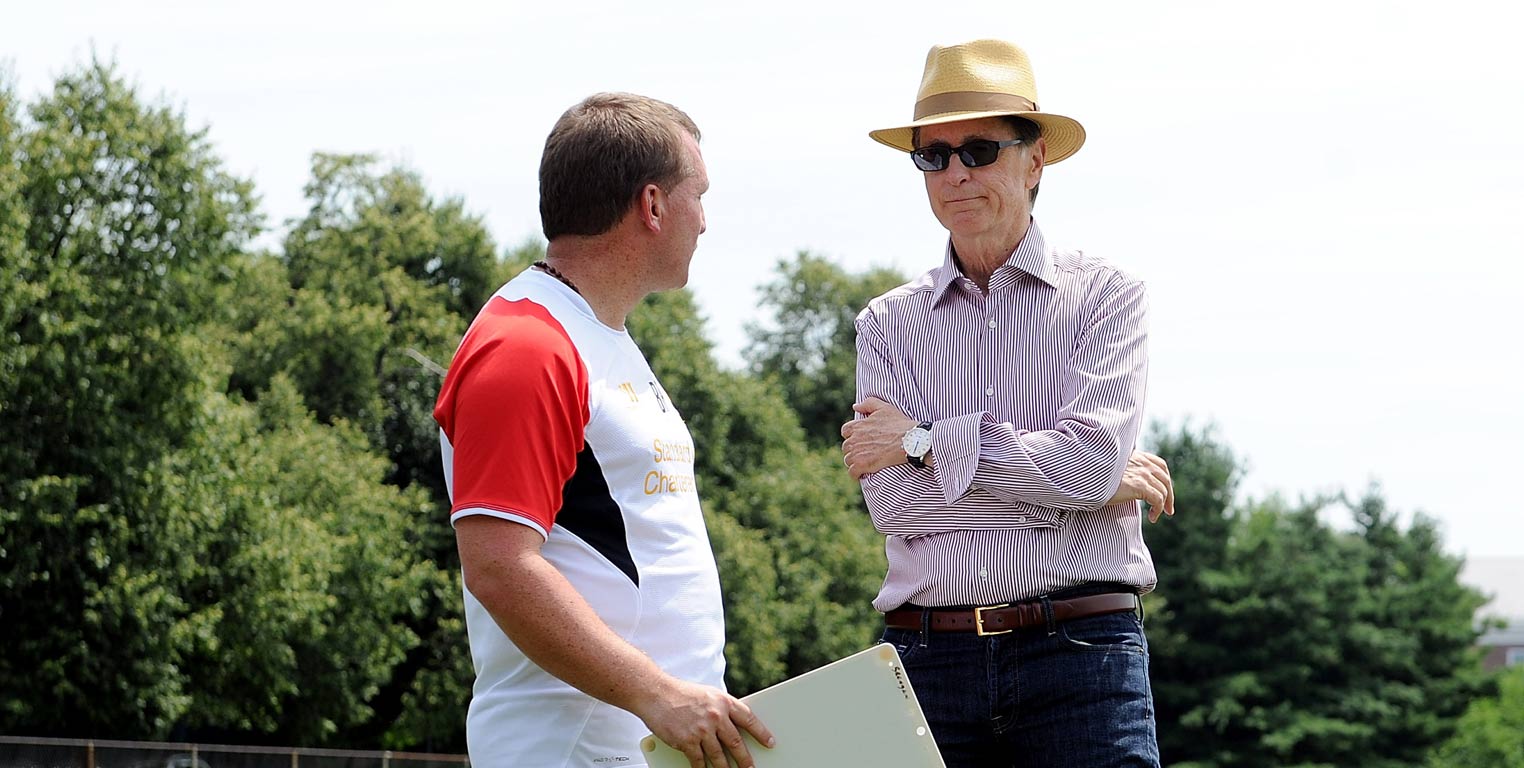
{"x": 302, "y": 601}
{"x": 382, "y": 279}
{"x": 1420, "y": 663}
{"x": 1491, "y": 732}
{"x": 362, "y": 310}
{"x": 172, "y": 556}
{"x": 808, "y": 349}
{"x": 1318, "y": 655}
{"x": 1278, "y": 640}
{"x": 128, "y": 221}
{"x": 13, "y": 215}
{"x": 1188, "y": 551}
{"x": 1281, "y": 605}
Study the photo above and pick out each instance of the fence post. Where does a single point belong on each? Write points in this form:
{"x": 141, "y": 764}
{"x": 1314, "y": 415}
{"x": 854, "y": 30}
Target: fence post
{"x": 294, "y": 758}
{"x": 90, "y": 754}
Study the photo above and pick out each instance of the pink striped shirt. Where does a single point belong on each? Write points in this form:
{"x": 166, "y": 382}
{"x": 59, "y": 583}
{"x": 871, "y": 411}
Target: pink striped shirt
{"x": 1035, "y": 393}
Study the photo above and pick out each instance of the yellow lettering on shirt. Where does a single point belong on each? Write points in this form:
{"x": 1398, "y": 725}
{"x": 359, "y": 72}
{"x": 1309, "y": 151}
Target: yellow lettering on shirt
{"x": 661, "y": 482}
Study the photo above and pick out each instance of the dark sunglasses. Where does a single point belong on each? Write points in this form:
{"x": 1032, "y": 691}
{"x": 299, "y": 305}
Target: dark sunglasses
{"x": 973, "y": 154}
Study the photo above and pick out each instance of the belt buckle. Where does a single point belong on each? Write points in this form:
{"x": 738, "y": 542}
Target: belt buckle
{"x": 979, "y": 620}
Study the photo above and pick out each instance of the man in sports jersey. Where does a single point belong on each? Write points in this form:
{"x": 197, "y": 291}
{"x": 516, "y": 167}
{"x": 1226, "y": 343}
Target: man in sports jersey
{"x": 592, "y": 597}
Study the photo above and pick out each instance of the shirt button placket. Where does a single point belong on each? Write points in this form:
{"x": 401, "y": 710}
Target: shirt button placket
{"x": 989, "y": 345}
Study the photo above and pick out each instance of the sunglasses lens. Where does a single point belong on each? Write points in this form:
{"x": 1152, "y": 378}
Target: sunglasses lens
{"x": 931, "y": 158}
{"x": 978, "y": 152}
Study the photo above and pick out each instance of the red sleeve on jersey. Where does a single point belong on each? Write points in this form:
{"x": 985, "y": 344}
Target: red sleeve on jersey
{"x": 514, "y": 407}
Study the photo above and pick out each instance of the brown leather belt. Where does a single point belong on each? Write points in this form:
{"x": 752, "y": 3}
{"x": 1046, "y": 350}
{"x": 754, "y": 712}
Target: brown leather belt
{"x": 999, "y": 619}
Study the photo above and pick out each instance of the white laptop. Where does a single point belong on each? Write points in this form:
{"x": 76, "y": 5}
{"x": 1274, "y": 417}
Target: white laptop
{"x": 856, "y": 711}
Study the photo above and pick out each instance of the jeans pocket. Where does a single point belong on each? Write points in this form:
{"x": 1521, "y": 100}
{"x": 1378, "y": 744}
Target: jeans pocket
{"x": 906, "y": 642}
{"x": 1104, "y": 634}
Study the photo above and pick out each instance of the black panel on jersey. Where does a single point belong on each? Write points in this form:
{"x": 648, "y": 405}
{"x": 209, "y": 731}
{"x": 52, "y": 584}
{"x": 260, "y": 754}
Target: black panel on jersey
{"x": 589, "y": 511}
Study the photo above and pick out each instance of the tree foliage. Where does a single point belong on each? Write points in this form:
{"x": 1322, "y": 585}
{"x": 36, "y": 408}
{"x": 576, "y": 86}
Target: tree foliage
{"x": 1491, "y": 732}
{"x": 1281, "y": 641}
{"x": 300, "y": 608}
{"x": 808, "y": 350}
{"x": 361, "y": 311}
{"x": 178, "y": 550}
{"x": 129, "y": 222}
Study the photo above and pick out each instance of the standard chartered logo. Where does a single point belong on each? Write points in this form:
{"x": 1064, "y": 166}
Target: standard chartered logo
{"x": 674, "y": 467}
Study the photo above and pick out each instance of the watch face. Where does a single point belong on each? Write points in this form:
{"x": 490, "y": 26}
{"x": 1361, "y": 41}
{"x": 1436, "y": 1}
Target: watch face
{"x": 916, "y": 442}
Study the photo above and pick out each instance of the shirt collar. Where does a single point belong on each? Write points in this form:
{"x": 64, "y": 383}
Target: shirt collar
{"x": 1031, "y": 256}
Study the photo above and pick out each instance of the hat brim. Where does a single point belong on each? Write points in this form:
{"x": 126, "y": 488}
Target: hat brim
{"x": 1064, "y": 135}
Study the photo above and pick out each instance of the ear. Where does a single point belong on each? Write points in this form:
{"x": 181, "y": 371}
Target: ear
{"x": 651, "y": 207}
{"x": 1037, "y": 157}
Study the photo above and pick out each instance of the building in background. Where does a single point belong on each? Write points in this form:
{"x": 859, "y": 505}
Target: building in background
{"x": 1502, "y": 578}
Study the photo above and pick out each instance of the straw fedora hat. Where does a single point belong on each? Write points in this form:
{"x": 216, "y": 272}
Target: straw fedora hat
{"x": 983, "y": 78}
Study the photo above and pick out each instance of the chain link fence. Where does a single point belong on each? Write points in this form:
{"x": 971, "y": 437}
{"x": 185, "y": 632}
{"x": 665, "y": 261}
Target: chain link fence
{"x": 23, "y": 752}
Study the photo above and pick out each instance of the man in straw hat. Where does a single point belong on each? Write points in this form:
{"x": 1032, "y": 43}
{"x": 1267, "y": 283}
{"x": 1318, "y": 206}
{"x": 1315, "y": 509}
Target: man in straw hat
{"x": 1000, "y": 397}
{"x": 592, "y": 597}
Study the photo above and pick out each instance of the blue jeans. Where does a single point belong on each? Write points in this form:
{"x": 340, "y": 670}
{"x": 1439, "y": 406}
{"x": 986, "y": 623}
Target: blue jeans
{"x": 1072, "y": 694}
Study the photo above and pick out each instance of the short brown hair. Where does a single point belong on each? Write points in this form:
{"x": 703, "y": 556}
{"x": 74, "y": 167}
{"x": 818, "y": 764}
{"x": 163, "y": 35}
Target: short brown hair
{"x": 599, "y": 156}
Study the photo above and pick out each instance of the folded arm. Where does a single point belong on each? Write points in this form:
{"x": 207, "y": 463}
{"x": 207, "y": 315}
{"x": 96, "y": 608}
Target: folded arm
{"x": 1078, "y": 464}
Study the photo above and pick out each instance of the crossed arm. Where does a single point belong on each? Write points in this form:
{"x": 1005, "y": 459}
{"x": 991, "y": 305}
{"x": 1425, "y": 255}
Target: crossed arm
{"x": 1083, "y": 461}
{"x": 872, "y": 443}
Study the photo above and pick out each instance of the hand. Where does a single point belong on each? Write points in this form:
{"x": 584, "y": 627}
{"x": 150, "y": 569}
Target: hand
{"x": 704, "y": 723}
{"x": 1147, "y": 478}
{"x": 875, "y": 442}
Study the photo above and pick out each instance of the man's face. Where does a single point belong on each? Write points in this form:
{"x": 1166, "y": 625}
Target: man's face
{"x": 685, "y": 215}
{"x": 974, "y": 201}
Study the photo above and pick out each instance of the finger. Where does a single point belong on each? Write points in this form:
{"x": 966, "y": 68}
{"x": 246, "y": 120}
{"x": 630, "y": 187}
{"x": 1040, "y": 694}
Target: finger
{"x": 1154, "y": 494}
{"x": 845, "y": 432}
{"x": 869, "y": 406}
{"x": 1169, "y": 502}
{"x": 748, "y": 720}
{"x": 715, "y": 752}
{"x": 1155, "y": 502}
{"x": 736, "y": 746}
{"x": 694, "y": 754}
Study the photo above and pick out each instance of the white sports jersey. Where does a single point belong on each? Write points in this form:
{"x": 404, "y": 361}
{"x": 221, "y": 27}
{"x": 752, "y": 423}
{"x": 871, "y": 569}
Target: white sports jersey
{"x": 553, "y": 420}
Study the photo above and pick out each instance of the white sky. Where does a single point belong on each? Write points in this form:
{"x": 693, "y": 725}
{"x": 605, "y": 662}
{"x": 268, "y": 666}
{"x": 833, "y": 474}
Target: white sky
{"x": 1323, "y": 196}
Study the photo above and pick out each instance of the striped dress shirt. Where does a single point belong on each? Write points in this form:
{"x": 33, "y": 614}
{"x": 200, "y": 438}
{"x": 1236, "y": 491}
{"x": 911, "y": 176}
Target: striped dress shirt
{"x": 1035, "y": 393}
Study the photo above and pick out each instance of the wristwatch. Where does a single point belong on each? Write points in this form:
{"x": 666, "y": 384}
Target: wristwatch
{"x": 917, "y": 443}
